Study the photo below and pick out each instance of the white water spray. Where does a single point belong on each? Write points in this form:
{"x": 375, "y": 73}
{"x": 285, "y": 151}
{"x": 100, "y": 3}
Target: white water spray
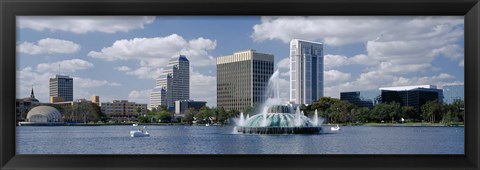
{"x": 315, "y": 118}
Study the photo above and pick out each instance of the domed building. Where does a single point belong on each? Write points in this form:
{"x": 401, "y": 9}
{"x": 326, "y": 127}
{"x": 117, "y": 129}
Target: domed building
{"x": 43, "y": 114}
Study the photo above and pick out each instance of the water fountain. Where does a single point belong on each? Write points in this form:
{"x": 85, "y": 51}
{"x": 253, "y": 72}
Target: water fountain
{"x": 277, "y": 116}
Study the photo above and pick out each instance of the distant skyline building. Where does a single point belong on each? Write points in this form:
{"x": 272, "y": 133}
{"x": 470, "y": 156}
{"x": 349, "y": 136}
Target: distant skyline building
{"x": 183, "y": 105}
{"x": 306, "y": 71}
{"x": 123, "y": 110}
{"x": 158, "y": 97}
{"x": 414, "y": 96}
{"x": 242, "y": 79}
{"x": 173, "y": 84}
{"x": 366, "y": 98}
{"x": 453, "y": 92}
{"x": 61, "y": 86}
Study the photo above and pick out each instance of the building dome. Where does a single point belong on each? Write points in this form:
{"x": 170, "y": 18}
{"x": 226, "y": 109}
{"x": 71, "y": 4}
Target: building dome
{"x": 42, "y": 114}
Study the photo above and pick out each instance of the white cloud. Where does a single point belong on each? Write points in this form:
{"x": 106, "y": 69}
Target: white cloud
{"x": 376, "y": 79}
{"x": 140, "y": 96}
{"x": 154, "y": 53}
{"x": 48, "y": 46}
{"x": 335, "y": 76}
{"x": 84, "y": 24}
{"x": 159, "y": 49}
{"x": 333, "y": 61}
{"x": 341, "y": 30}
{"x": 435, "y": 80}
{"x": 28, "y": 77}
{"x": 122, "y": 68}
{"x": 90, "y": 83}
{"x": 462, "y": 63}
{"x": 203, "y": 87}
{"x": 395, "y": 39}
{"x": 64, "y": 66}
{"x": 284, "y": 63}
{"x": 145, "y": 72}
{"x": 388, "y": 67}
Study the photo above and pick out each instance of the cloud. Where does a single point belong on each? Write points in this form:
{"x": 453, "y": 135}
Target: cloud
{"x": 146, "y": 72}
{"x": 462, "y": 63}
{"x": 203, "y": 87}
{"x": 140, "y": 96}
{"x": 64, "y": 66}
{"x": 335, "y": 76}
{"x": 48, "y": 46}
{"x": 28, "y": 77}
{"x": 284, "y": 63}
{"x": 154, "y": 53}
{"x": 90, "y": 83}
{"x": 341, "y": 30}
{"x": 334, "y": 61}
{"x": 394, "y": 39}
{"x": 122, "y": 68}
{"x": 375, "y": 80}
{"x": 159, "y": 49}
{"x": 84, "y": 24}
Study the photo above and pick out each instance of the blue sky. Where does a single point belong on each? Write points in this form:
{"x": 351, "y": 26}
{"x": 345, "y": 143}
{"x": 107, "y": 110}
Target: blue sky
{"x": 119, "y": 57}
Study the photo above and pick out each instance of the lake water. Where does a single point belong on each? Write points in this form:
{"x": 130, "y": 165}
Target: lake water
{"x": 222, "y": 140}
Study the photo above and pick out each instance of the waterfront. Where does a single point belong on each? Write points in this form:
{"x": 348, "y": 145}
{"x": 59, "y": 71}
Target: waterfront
{"x": 181, "y": 139}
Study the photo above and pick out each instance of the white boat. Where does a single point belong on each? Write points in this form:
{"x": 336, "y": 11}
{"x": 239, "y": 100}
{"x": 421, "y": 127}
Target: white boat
{"x": 337, "y": 128}
{"x": 207, "y": 124}
{"x": 139, "y": 133}
{"x": 135, "y": 124}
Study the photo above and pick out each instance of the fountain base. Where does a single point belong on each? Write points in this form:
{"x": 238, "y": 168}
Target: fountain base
{"x": 279, "y": 130}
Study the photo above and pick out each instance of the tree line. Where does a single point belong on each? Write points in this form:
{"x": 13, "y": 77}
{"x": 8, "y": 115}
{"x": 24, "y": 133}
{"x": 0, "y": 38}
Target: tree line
{"x": 331, "y": 109}
{"x": 341, "y": 111}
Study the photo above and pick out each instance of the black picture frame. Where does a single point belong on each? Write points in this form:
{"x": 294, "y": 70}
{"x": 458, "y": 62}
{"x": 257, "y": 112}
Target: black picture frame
{"x": 11, "y": 8}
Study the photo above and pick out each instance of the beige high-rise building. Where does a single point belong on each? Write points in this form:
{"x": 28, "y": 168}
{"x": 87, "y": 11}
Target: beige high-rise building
{"x": 242, "y": 79}
{"x": 96, "y": 100}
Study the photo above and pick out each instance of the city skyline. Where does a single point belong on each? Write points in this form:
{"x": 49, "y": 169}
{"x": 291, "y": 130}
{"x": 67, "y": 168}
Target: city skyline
{"x": 120, "y": 57}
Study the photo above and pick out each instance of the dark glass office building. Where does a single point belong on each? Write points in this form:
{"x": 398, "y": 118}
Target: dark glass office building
{"x": 414, "y": 96}
{"x": 367, "y": 98}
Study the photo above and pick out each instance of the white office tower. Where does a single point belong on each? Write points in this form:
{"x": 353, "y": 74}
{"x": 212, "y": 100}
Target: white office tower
{"x": 306, "y": 71}
{"x": 173, "y": 84}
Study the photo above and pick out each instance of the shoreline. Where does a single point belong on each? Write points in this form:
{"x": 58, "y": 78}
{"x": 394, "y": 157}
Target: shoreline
{"x": 419, "y": 124}
{"x": 187, "y": 124}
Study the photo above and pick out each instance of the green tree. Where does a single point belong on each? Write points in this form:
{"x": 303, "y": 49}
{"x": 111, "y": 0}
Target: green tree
{"x": 341, "y": 111}
{"x": 144, "y": 119}
{"x": 410, "y": 113}
{"x": 379, "y": 112}
{"x": 431, "y": 111}
{"x": 221, "y": 114}
{"x": 395, "y": 111}
{"x": 323, "y": 103}
{"x": 362, "y": 114}
{"x": 204, "y": 113}
{"x": 458, "y": 110}
{"x": 164, "y": 116}
{"x": 189, "y": 114}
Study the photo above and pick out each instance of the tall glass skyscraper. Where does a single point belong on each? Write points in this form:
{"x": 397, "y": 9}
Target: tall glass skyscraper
{"x": 453, "y": 92}
{"x": 306, "y": 71}
{"x": 173, "y": 84}
{"x": 61, "y": 86}
{"x": 242, "y": 79}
